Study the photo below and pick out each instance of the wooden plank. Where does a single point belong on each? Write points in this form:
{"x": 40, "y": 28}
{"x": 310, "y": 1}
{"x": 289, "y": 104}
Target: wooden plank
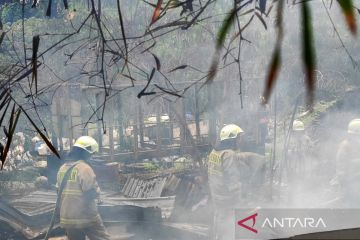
{"x": 129, "y": 186}
{"x": 126, "y": 184}
{"x": 137, "y": 188}
{"x": 197, "y": 114}
{"x": 133, "y": 187}
{"x": 154, "y": 153}
{"x": 159, "y": 185}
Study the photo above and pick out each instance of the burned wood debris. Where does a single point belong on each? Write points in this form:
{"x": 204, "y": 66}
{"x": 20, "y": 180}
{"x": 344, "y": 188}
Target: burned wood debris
{"x": 147, "y": 204}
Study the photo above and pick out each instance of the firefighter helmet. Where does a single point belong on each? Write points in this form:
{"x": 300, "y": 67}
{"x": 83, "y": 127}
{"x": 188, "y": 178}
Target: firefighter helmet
{"x": 41, "y": 182}
{"x": 298, "y": 125}
{"x": 230, "y": 131}
{"x": 87, "y": 143}
{"x": 354, "y": 126}
{"x": 35, "y": 139}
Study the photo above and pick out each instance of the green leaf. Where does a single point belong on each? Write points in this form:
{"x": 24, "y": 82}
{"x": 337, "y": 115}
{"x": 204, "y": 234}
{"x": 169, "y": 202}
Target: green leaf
{"x": 225, "y": 28}
{"x": 48, "y": 143}
{"x": 272, "y": 74}
{"x": 2, "y": 37}
{"x": 157, "y": 12}
{"x": 48, "y": 10}
{"x": 261, "y": 20}
{"x": 262, "y": 5}
{"x": 12, "y": 126}
{"x": 66, "y": 5}
{"x": 157, "y": 61}
{"x": 5, "y": 110}
{"x": 276, "y": 57}
{"x": 348, "y": 10}
{"x": 178, "y": 68}
{"x": 142, "y": 92}
{"x": 36, "y": 41}
{"x": 308, "y": 50}
{"x": 241, "y": 30}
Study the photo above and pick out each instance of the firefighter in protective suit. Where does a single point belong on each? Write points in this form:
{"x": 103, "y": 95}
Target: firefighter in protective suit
{"x": 229, "y": 172}
{"x": 79, "y": 215}
{"x": 299, "y": 149}
{"x": 348, "y": 165}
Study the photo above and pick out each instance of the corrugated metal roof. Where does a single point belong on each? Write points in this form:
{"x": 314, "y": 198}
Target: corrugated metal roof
{"x": 30, "y": 215}
{"x": 144, "y": 188}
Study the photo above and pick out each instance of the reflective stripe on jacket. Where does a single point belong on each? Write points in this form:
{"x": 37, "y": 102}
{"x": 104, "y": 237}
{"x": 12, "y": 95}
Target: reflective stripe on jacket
{"x": 77, "y": 210}
{"x": 234, "y": 175}
{"x": 224, "y": 176}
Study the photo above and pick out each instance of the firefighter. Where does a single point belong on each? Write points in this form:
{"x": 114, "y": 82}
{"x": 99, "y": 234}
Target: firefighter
{"x": 78, "y": 208}
{"x": 298, "y": 149}
{"x": 231, "y": 174}
{"x": 348, "y": 164}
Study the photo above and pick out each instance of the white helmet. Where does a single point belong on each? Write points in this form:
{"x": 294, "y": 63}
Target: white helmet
{"x": 230, "y": 131}
{"x": 87, "y": 143}
{"x": 298, "y": 125}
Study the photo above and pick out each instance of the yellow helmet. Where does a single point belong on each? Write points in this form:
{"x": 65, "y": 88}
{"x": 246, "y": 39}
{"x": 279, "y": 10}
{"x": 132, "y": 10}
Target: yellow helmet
{"x": 354, "y": 126}
{"x": 298, "y": 126}
{"x": 87, "y": 143}
{"x": 35, "y": 139}
{"x": 230, "y": 131}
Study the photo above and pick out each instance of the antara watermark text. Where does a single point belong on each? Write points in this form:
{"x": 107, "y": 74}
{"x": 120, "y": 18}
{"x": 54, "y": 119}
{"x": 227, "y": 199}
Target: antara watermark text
{"x": 291, "y": 222}
{"x": 284, "y": 223}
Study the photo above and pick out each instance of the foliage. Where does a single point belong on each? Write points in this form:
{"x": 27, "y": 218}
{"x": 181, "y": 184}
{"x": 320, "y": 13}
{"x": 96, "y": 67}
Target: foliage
{"x": 112, "y": 47}
{"x": 150, "y": 166}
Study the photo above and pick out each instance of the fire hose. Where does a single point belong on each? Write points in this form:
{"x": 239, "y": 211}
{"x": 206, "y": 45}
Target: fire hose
{"x": 58, "y": 200}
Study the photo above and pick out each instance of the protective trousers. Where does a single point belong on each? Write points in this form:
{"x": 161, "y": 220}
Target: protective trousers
{"x": 94, "y": 232}
{"x": 224, "y": 226}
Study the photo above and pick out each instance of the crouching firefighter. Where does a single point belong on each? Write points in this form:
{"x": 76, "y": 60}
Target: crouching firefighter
{"x": 79, "y": 215}
{"x": 224, "y": 181}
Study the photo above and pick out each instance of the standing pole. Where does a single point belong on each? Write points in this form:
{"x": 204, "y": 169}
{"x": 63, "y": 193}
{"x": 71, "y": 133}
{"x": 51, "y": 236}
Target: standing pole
{"x": 140, "y": 117}
{"x": 197, "y": 114}
{"x": 98, "y": 123}
{"x": 273, "y": 157}
{"x": 211, "y": 113}
{"x": 111, "y": 130}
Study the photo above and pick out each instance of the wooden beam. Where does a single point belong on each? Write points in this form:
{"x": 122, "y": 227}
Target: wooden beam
{"x": 155, "y": 153}
{"x": 197, "y": 114}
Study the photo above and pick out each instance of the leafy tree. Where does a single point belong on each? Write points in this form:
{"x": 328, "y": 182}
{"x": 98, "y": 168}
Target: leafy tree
{"x": 113, "y": 45}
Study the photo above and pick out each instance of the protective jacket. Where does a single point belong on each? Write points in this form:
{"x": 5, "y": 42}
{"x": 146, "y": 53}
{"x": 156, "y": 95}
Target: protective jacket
{"x": 78, "y": 208}
{"x": 234, "y": 175}
{"x": 224, "y": 176}
{"x": 348, "y": 164}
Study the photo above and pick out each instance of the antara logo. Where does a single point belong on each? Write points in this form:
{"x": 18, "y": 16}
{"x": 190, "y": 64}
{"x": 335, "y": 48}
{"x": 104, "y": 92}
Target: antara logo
{"x": 286, "y": 222}
{"x": 252, "y": 229}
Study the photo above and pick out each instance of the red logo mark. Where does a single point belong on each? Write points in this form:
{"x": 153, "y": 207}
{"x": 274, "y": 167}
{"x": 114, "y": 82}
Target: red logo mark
{"x": 253, "y": 217}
